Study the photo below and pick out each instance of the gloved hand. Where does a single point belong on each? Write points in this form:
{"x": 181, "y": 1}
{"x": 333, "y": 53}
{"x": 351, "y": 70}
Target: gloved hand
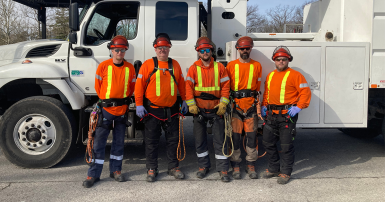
{"x": 221, "y": 108}
{"x": 193, "y": 109}
{"x": 294, "y": 110}
{"x": 184, "y": 107}
{"x": 264, "y": 109}
{"x": 140, "y": 111}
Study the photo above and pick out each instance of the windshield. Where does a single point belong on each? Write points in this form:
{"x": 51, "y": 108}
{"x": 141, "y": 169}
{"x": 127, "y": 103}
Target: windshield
{"x": 83, "y": 12}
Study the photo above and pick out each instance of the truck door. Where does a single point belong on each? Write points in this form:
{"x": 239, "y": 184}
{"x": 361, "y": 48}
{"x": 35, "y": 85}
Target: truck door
{"x": 104, "y": 21}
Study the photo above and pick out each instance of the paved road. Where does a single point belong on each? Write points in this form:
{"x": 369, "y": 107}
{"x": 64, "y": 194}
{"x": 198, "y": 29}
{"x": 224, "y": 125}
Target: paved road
{"x": 329, "y": 166}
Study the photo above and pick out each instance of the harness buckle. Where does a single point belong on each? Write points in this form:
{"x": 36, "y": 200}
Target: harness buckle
{"x": 242, "y": 94}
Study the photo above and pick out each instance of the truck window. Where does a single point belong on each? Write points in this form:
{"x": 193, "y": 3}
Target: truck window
{"x": 111, "y": 19}
{"x": 171, "y": 18}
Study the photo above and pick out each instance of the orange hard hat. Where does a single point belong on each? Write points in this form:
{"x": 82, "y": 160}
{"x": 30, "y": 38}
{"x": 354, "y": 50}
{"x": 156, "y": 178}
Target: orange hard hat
{"x": 203, "y": 42}
{"x": 282, "y": 51}
{"x": 162, "y": 39}
{"x": 244, "y": 42}
{"x": 118, "y": 41}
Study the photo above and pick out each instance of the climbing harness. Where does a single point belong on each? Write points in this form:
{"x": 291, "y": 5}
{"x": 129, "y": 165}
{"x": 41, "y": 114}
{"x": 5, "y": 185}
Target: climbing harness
{"x": 91, "y": 134}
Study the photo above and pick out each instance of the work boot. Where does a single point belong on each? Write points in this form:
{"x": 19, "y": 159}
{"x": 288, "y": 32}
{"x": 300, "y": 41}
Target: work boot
{"x": 267, "y": 174}
{"x": 89, "y": 182}
{"x": 117, "y": 175}
{"x": 176, "y": 173}
{"x": 283, "y": 179}
{"x": 224, "y": 176}
{"x": 151, "y": 174}
{"x": 250, "y": 169}
{"x": 236, "y": 173}
{"x": 202, "y": 172}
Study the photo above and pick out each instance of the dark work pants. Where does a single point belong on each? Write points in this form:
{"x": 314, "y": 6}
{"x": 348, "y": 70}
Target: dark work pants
{"x": 200, "y": 134}
{"x": 283, "y": 130}
{"x": 152, "y": 133}
{"x": 100, "y": 141}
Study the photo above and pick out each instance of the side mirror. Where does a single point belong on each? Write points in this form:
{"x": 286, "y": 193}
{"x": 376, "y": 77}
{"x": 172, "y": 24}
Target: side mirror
{"x": 74, "y": 17}
{"x": 73, "y": 38}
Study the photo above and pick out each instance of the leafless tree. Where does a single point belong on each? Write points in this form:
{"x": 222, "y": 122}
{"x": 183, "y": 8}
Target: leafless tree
{"x": 8, "y": 18}
{"x": 281, "y": 15}
{"x": 255, "y": 21}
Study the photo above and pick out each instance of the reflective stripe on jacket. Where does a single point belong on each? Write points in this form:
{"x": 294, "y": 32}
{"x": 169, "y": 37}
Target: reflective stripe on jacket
{"x": 286, "y": 88}
{"x": 161, "y": 89}
{"x": 115, "y": 82}
{"x": 244, "y": 76}
{"x": 213, "y": 80}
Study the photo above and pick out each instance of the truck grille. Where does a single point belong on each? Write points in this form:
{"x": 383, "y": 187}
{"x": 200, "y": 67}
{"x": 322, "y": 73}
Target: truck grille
{"x": 43, "y": 51}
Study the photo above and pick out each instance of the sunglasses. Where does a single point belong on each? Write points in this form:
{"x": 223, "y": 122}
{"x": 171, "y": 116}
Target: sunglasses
{"x": 242, "y": 49}
{"x": 120, "y": 50}
{"x": 202, "y": 51}
{"x": 163, "y": 48}
{"x": 282, "y": 59}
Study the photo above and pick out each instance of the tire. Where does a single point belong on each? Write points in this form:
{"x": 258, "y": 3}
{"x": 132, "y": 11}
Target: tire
{"x": 362, "y": 133}
{"x": 37, "y": 132}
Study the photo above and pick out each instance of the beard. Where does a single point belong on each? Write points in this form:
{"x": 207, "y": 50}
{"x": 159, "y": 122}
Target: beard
{"x": 245, "y": 56}
{"x": 207, "y": 59}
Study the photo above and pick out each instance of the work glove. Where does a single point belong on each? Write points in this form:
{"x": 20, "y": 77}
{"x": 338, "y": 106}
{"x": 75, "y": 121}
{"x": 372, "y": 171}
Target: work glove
{"x": 294, "y": 111}
{"x": 221, "y": 108}
{"x": 140, "y": 111}
{"x": 193, "y": 109}
{"x": 263, "y": 112}
{"x": 184, "y": 107}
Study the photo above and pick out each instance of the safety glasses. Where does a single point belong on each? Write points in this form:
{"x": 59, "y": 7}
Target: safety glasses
{"x": 120, "y": 50}
{"x": 202, "y": 51}
{"x": 282, "y": 59}
{"x": 163, "y": 48}
{"x": 242, "y": 49}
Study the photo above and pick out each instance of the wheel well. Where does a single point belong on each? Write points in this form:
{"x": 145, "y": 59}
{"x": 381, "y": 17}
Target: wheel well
{"x": 19, "y": 89}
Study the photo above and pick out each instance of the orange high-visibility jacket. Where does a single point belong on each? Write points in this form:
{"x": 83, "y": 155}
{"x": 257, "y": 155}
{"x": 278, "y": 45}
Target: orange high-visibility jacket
{"x": 286, "y": 88}
{"x": 244, "y": 76}
{"x": 115, "y": 82}
{"x": 161, "y": 90}
{"x": 212, "y": 80}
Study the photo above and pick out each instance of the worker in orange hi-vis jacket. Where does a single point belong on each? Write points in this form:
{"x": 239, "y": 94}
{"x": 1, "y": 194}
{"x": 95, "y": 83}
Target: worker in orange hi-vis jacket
{"x": 245, "y": 81}
{"x": 156, "y": 91}
{"x": 207, "y": 95}
{"x": 114, "y": 83}
{"x": 286, "y": 94}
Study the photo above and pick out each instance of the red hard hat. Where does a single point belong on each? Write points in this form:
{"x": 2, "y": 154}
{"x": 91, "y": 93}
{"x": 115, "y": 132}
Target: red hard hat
{"x": 203, "y": 42}
{"x": 118, "y": 41}
{"x": 162, "y": 39}
{"x": 282, "y": 51}
{"x": 244, "y": 42}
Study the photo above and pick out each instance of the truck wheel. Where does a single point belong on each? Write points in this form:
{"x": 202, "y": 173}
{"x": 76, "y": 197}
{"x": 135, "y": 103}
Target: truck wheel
{"x": 362, "y": 133}
{"x": 36, "y": 132}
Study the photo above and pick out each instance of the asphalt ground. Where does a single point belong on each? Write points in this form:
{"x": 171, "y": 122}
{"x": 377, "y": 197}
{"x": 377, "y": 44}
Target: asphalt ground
{"x": 329, "y": 166}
